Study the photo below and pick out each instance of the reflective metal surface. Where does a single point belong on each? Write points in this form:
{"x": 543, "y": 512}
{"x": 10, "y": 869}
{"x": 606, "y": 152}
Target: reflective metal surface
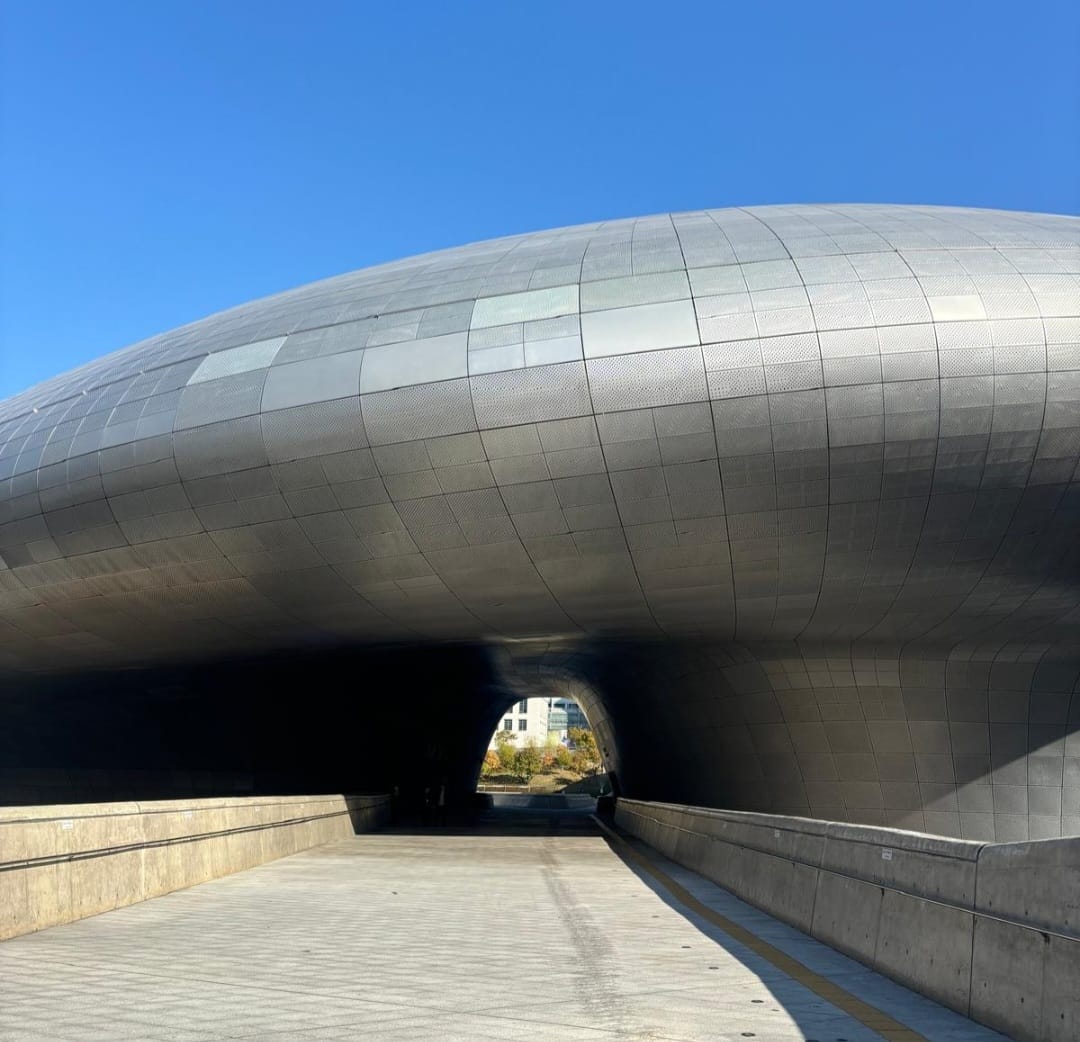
{"x": 844, "y": 426}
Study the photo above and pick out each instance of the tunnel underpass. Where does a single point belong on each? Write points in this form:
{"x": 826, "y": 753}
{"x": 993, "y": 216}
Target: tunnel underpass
{"x": 880, "y": 737}
{"x": 790, "y": 489}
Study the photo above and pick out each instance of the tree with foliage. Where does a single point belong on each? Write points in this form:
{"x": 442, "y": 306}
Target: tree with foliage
{"x": 527, "y": 762}
{"x": 506, "y": 750}
{"x": 585, "y": 756}
{"x": 491, "y": 765}
{"x": 564, "y": 759}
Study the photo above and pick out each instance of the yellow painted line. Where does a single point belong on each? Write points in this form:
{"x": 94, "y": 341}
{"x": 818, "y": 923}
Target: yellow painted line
{"x": 867, "y": 1015}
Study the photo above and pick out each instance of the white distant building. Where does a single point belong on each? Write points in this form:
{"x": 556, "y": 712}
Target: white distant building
{"x": 526, "y": 719}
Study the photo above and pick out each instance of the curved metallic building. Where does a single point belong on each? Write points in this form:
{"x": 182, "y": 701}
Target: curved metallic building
{"x": 786, "y": 495}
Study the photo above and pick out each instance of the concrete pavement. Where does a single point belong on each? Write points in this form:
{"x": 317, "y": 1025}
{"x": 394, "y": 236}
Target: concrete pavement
{"x": 530, "y": 926}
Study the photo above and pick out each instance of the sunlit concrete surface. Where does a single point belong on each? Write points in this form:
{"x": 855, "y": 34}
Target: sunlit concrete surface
{"x": 529, "y": 927}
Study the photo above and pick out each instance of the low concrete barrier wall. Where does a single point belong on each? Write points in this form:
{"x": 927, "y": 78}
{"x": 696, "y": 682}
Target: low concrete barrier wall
{"x": 543, "y": 801}
{"x": 65, "y": 862}
{"x": 990, "y": 930}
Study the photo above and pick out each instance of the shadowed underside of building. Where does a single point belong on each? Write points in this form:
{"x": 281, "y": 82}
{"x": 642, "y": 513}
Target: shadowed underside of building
{"x": 786, "y": 497}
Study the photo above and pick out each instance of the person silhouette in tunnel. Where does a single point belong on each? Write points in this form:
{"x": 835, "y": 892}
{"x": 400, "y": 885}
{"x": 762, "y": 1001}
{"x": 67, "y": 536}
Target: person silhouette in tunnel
{"x": 440, "y": 804}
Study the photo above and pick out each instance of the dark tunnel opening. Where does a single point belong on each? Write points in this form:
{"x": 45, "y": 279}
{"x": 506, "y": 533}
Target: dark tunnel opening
{"x": 920, "y": 739}
{"x": 330, "y": 722}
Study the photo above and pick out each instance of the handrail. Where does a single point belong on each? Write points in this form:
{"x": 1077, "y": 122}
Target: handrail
{"x": 93, "y": 853}
{"x": 193, "y": 801}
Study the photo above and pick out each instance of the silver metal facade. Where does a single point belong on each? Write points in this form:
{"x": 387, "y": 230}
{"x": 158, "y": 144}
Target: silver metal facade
{"x": 833, "y": 427}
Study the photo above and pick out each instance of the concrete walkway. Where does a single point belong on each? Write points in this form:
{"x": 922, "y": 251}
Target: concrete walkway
{"x": 529, "y": 927}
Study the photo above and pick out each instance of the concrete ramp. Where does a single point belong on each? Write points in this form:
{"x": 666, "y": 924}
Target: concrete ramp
{"x": 441, "y": 934}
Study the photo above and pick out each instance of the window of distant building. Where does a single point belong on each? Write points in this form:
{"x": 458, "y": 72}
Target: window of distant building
{"x": 523, "y": 706}
{"x": 508, "y": 724}
{"x": 523, "y": 725}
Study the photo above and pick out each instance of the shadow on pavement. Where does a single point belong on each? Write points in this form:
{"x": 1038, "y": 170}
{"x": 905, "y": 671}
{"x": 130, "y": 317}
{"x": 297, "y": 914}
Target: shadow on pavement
{"x": 823, "y": 1008}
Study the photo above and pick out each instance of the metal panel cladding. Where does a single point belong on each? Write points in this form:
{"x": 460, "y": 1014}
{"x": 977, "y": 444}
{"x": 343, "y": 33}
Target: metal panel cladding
{"x": 852, "y": 426}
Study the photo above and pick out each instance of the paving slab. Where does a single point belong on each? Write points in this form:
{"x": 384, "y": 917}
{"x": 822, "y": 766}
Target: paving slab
{"x": 527, "y": 926}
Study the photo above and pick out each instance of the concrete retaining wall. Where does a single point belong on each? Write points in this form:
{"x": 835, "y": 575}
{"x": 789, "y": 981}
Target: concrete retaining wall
{"x": 65, "y": 862}
{"x": 990, "y": 930}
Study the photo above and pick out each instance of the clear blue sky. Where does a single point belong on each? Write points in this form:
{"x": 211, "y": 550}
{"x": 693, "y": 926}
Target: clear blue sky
{"x": 165, "y": 160}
